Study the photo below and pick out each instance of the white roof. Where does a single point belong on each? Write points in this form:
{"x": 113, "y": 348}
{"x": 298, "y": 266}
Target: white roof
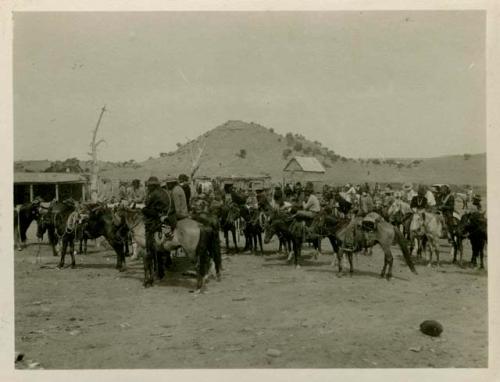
{"x": 307, "y": 164}
{"x": 48, "y": 177}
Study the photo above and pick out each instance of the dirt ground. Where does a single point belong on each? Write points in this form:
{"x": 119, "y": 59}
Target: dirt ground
{"x": 263, "y": 314}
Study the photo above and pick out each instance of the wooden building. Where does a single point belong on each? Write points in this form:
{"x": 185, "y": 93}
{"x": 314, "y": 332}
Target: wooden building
{"x": 49, "y": 186}
{"x": 303, "y": 170}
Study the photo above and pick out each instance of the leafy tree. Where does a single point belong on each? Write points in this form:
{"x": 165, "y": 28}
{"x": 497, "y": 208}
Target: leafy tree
{"x": 242, "y": 154}
{"x": 286, "y": 153}
{"x": 298, "y": 146}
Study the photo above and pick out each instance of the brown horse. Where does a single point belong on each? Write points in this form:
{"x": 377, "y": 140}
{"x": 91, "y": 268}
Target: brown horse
{"x": 382, "y": 233}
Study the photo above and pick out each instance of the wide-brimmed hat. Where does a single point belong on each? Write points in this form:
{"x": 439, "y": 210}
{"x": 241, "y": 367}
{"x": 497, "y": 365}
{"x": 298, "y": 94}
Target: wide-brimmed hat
{"x": 152, "y": 181}
{"x": 407, "y": 186}
{"x": 170, "y": 179}
{"x": 183, "y": 178}
{"x": 476, "y": 198}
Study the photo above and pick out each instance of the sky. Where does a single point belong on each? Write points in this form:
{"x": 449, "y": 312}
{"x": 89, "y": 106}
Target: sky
{"x": 365, "y": 84}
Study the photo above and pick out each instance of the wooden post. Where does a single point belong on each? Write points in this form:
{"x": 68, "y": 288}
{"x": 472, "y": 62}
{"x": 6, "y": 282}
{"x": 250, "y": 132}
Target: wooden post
{"x": 31, "y": 193}
{"x": 57, "y": 192}
{"x": 83, "y": 192}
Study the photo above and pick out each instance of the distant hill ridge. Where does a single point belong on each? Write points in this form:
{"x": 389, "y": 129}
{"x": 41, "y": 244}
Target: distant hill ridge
{"x": 238, "y": 148}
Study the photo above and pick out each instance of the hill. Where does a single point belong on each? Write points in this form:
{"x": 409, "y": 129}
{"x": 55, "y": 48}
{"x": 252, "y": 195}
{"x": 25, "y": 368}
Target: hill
{"x": 238, "y": 148}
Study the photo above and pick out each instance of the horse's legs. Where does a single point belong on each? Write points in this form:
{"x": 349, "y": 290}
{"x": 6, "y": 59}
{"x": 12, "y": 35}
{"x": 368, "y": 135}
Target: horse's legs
{"x": 53, "y": 241}
{"x": 259, "y": 237}
{"x": 481, "y": 254}
{"x": 349, "y": 257}
{"x": 216, "y": 255}
{"x": 63, "y": 252}
{"x": 72, "y": 251}
{"x": 85, "y": 239}
{"x": 233, "y": 233}
{"x": 340, "y": 254}
{"x": 203, "y": 259}
{"x": 226, "y": 238}
{"x": 388, "y": 261}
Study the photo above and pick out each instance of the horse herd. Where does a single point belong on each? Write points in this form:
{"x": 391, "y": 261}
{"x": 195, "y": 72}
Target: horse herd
{"x": 199, "y": 237}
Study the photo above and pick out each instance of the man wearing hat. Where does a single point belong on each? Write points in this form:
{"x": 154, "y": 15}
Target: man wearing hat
{"x": 447, "y": 206}
{"x": 311, "y": 207}
{"x": 366, "y": 203}
{"x": 136, "y": 194}
{"x": 419, "y": 202}
{"x": 179, "y": 200}
{"x": 409, "y": 192}
{"x": 156, "y": 204}
{"x": 184, "y": 183}
{"x": 236, "y": 197}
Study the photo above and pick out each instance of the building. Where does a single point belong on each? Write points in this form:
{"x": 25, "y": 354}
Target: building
{"x": 303, "y": 170}
{"x": 49, "y": 186}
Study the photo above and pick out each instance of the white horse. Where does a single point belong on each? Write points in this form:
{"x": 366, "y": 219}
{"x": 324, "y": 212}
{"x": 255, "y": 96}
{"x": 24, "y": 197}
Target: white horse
{"x": 426, "y": 226}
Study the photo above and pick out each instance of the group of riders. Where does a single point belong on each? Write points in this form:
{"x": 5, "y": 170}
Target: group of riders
{"x": 163, "y": 204}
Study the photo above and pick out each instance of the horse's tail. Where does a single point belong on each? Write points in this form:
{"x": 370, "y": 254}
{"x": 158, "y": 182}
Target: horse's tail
{"x": 404, "y": 248}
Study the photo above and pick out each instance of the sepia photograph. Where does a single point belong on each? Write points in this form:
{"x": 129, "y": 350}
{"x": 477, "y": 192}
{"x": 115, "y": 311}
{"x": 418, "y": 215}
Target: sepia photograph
{"x": 250, "y": 190}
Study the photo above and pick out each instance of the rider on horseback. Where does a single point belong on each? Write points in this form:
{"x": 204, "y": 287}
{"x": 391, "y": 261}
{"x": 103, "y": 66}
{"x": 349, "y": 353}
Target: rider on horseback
{"x": 447, "y": 207}
{"x": 180, "y": 203}
{"x": 419, "y": 202}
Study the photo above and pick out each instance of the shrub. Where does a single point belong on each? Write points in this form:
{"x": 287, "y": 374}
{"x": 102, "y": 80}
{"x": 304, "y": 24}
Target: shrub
{"x": 290, "y": 140}
{"x": 242, "y": 154}
{"x": 286, "y": 153}
{"x": 298, "y": 146}
{"x": 376, "y": 161}
{"x": 307, "y": 150}
{"x": 467, "y": 156}
{"x": 271, "y": 130}
{"x": 178, "y": 144}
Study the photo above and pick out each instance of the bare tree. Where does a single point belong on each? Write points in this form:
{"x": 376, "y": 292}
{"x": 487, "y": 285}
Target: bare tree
{"x": 94, "y": 189}
{"x": 196, "y": 153}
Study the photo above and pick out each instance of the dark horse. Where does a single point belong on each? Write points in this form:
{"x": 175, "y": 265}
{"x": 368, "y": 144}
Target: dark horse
{"x": 55, "y": 222}
{"x": 253, "y": 228}
{"x": 229, "y": 215}
{"x": 474, "y": 225}
{"x": 290, "y": 230}
{"x": 102, "y": 221}
{"x": 24, "y": 215}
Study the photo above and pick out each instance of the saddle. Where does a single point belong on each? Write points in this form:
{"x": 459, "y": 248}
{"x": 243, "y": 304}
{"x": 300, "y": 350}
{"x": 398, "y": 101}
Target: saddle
{"x": 370, "y": 222}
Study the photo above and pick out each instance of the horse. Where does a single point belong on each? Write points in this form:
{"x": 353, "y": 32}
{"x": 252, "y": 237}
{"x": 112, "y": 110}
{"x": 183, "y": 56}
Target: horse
{"x": 24, "y": 215}
{"x": 254, "y": 221}
{"x": 102, "y": 221}
{"x": 199, "y": 241}
{"x": 372, "y": 230}
{"x": 474, "y": 225}
{"x": 229, "y": 215}
{"x": 289, "y": 230}
{"x": 426, "y": 227}
{"x": 399, "y": 214}
{"x": 55, "y": 222}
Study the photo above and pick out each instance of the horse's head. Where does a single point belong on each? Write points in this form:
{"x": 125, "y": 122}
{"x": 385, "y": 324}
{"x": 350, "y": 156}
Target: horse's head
{"x": 270, "y": 227}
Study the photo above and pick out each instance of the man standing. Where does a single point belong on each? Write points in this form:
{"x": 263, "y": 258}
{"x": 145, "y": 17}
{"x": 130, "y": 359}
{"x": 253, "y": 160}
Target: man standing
{"x": 179, "y": 200}
{"x": 184, "y": 183}
{"x": 156, "y": 204}
{"x": 447, "y": 206}
{"x": 136, "y": 193}
{"x": 366, "y": 203}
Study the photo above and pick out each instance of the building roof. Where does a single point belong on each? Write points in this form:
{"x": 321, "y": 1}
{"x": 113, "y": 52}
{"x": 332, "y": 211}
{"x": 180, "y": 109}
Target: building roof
{"x": 47, "y": 177}
{"x": 306, "y": 164}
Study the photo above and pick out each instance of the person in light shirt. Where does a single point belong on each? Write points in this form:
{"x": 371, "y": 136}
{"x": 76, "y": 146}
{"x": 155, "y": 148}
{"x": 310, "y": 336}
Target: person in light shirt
{"x": 311, "y": 206}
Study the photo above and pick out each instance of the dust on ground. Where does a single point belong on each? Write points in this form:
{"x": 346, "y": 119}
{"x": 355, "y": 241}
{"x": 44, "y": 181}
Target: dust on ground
{"x": 264, "y": 313}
